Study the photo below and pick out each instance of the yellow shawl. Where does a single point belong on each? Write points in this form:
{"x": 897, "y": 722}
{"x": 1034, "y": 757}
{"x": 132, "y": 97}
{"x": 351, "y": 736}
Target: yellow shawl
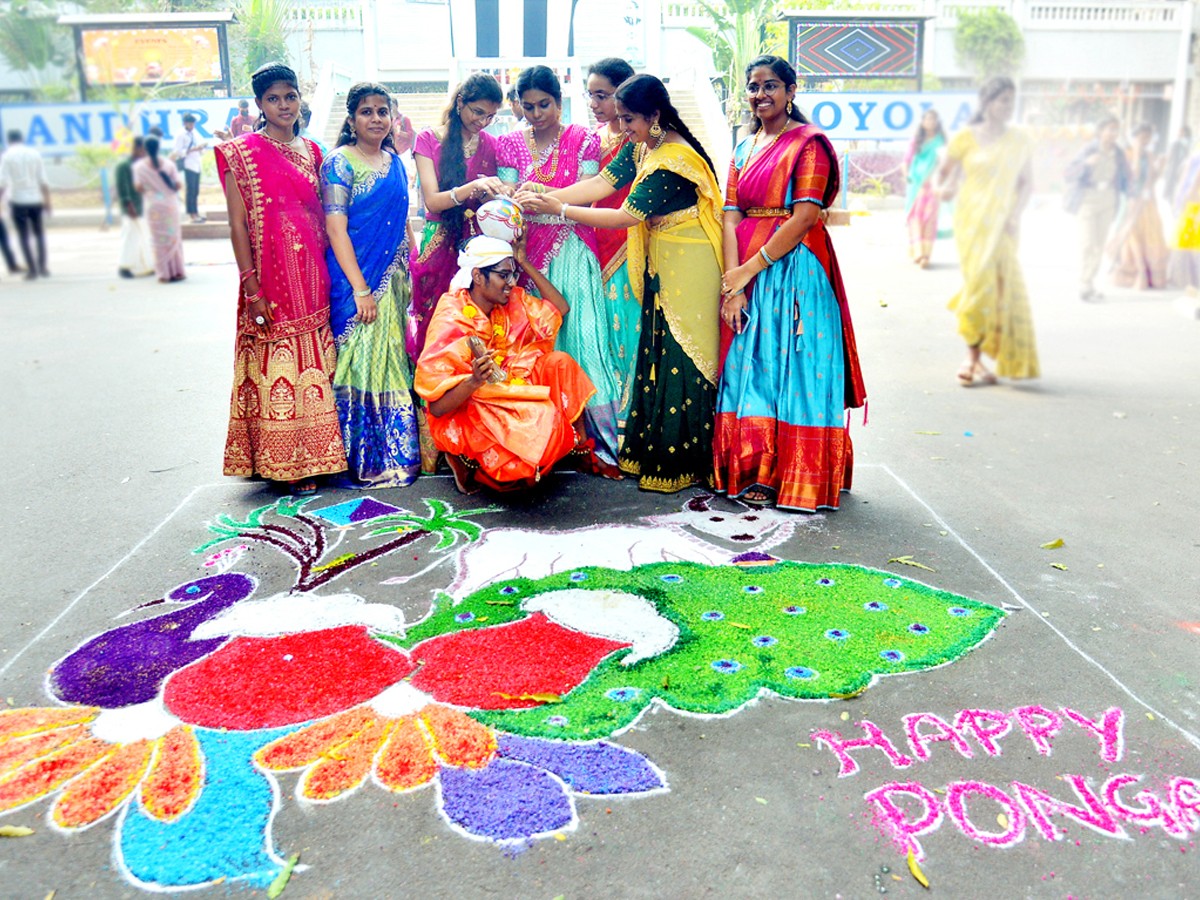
{"x": 685, "y": 293}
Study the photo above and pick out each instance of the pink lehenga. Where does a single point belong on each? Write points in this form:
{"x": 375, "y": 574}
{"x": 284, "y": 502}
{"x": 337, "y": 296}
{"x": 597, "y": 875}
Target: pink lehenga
{"x": 567, "y": 253}
{"x": 282, "y": 421}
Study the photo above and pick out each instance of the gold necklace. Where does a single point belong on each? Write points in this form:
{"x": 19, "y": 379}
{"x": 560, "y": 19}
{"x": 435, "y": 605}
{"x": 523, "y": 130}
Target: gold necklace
{"x": 373, "y": 163}
{"x": 610, "y": 143}
{"x": 539, "y": 175}
{"x": 291, "y": 145}
{"x": 469, "y": 147}
{"x": 754, "y": 148}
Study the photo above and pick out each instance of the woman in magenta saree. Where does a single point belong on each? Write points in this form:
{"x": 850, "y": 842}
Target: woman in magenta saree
{"x": 791, "y": 368}
{"x": 549, "y": 156}
{"x": 282, "y": 422}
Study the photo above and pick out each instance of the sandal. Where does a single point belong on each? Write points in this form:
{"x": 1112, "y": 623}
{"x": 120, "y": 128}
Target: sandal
{"x": 304, "y": 487}
{"x": 464, "y": 478}
{"x": 966, "y": 375}
{"x": 585, "y": 459}
{"x": 983, "y": 376}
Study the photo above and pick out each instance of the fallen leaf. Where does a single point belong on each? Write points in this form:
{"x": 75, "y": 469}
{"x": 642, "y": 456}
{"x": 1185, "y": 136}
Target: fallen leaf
{"x": 1058, "y": 566}
{"x": 1150, "y": 716}
{"x": 50, "y": 896}
{"x": 1054, "y": 544}
{"x": 916, "y": 872}
{"x": 897, "y": 878}
{"x": 540, "y": 698}
{"x": 560, "y": 836}
{"x": 760, "y": 800}
{"x": 15, "y": 831}
{"x": 907, "y": 560}
{"x": 804, "y": 745}
{"x": 845, "y": 717}
{"x": 666, "y": 682}
{"x": 281, "y": 879}
{"x": 1002, "y": 820}
{"x": 500, "y": 602}
{"x": 740, "y": 625}
{"x": 883, "y": 303}
{"x": 926, "y": 432}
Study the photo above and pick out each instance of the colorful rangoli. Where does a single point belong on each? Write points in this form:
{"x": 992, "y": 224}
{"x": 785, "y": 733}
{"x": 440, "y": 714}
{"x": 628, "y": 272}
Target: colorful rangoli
{"x": 504, "y": 698}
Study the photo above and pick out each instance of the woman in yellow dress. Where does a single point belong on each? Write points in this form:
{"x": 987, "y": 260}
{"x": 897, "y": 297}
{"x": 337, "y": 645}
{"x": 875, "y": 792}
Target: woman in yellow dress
{"x": 673, "y": 219}
{"x": 990, "y": 163}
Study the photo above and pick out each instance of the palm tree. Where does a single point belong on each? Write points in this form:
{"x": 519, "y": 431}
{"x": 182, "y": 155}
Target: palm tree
{"x": 738, "y": 34}
{"x": 307, "y": 545}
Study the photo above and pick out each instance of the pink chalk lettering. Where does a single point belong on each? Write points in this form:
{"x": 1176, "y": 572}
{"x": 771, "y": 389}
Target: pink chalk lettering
{"x": 976, "y": 721}
{"x": 1152, "y": 812}
{"x": 945, "y": 732}
{"x": 1184, "y": 797}
{"x": 841, "y": 747}
{"x": 1041, "y": 806}
{"x": 1040, "y": 726}
{"x": 893, "y": 821}
{"x": 1109, "y": 730}
{"x": 956, "y": 805}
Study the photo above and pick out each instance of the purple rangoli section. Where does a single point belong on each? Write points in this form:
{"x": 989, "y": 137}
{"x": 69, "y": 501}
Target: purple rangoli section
{"x": 598, "y": 768}
{"x": 128, "y": 665}
{"x": 354, "y": 511}
{"x": 505, "y": 801}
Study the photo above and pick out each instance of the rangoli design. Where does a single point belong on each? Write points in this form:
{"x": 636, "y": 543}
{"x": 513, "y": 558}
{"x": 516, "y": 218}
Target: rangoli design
{"x": 504, "y": 698}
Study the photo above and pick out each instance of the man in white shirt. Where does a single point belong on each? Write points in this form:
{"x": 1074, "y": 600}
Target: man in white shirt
{"x": 188, "y": 145}
{"x": 23, "y": 183}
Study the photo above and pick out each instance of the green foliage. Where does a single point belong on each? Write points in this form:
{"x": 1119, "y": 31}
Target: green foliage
{"x": 442, "y": 521}
{"x": 263, "y": 32}
{"x": 31, "y": 43}
{"x": 738, "y": 34}
{"x": 988, "y": 42}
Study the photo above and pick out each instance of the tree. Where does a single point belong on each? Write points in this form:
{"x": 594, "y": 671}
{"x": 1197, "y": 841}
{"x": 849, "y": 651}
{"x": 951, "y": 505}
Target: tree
{"x": 988, "y": 42}
{"x": 264, "y": 31}
{"x": 32, "y": 44}
{"x": 738, "y": 34}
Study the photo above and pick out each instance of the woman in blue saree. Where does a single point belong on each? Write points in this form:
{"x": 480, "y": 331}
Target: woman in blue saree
{"x": 364, "y": 189}
{"x": 922, "y": 206}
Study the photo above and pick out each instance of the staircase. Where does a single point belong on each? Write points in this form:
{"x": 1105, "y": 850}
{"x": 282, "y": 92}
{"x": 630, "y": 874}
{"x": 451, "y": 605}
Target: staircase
{"x": 217, "y": 226}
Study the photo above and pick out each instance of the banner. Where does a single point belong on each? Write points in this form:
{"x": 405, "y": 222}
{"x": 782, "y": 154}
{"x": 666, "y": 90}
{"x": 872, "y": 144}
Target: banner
{"x": 150, "y": 56}
{"x": 855, "y": 48}
{"x": 57, "y": 129}
{"x": 883, "y": 116}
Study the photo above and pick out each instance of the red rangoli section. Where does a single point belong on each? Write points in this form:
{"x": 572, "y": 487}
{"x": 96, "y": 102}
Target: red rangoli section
{"x": 253, "y": 683}
{"x": 505, "y": 666}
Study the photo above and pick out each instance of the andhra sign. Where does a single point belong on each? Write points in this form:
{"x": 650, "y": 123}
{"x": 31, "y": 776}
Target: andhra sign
{"x": 59, "y": 129}
{"x": 884, "y": 116}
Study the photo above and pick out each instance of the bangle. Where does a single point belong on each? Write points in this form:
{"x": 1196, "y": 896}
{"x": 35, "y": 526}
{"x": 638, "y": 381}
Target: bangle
{"x": 454, "y": 197}
{"x": 365, "y": 292}
{"x": 563, "y": 211}
{"x": 766, "y": 257}
{"x": 255, "y": 297}
{"x": 245, "y": 273}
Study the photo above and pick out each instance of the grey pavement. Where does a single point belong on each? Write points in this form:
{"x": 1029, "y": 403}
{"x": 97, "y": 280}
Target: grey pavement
{"x": 115, "y": 410}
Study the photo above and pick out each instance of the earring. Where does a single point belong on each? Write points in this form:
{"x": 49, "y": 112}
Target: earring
{"x": 656, "y": 130}
{"x": 789, "y": 107}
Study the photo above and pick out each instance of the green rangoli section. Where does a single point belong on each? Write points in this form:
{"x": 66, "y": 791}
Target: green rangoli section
{"x": 800, "y": 630}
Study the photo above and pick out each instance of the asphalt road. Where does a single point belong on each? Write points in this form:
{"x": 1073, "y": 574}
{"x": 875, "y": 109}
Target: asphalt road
{"x": 115, "y": 407}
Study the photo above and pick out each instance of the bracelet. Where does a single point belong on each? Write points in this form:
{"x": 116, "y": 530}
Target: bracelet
{"x": 454, "y": 197}
{"x": 563, "y": 211}
{"x": 245, "y": 273}
{"x": 766, "y": 257}
{"x": 254, "y": 298}
{"x": 365, "y": 292}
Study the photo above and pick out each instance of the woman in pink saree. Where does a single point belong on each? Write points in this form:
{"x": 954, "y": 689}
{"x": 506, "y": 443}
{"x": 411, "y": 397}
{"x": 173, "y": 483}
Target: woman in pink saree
{"x": 159, "y": 187}
{"x": 282, "y": 421}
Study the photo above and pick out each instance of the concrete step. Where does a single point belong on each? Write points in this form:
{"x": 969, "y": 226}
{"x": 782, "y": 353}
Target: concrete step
{"x": 207, "y": 231}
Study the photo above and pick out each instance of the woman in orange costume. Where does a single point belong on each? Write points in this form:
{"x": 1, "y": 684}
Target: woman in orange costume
{"x": 506, "y": 417}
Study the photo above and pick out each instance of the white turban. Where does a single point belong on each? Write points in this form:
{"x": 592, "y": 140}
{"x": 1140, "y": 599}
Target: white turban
{"x": 479, "y": 253}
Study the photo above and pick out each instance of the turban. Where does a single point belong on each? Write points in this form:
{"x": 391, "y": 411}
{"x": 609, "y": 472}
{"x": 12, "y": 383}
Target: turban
{"x": 479, "y": 253}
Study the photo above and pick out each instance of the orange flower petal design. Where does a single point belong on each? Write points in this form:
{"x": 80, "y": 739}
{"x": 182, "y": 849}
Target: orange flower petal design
{"x": 176, "y": 777}
{"x": 47, "y": 773}
{"x": 104, "y": 786}
{"x": 457, "y": 738}
{"x": 306, "y": 746}
{"x": 17, "y": 752}
{"x": 347, "y": 765}
{"x": 15, "y": 723}
{"x": 407, "y": 761}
